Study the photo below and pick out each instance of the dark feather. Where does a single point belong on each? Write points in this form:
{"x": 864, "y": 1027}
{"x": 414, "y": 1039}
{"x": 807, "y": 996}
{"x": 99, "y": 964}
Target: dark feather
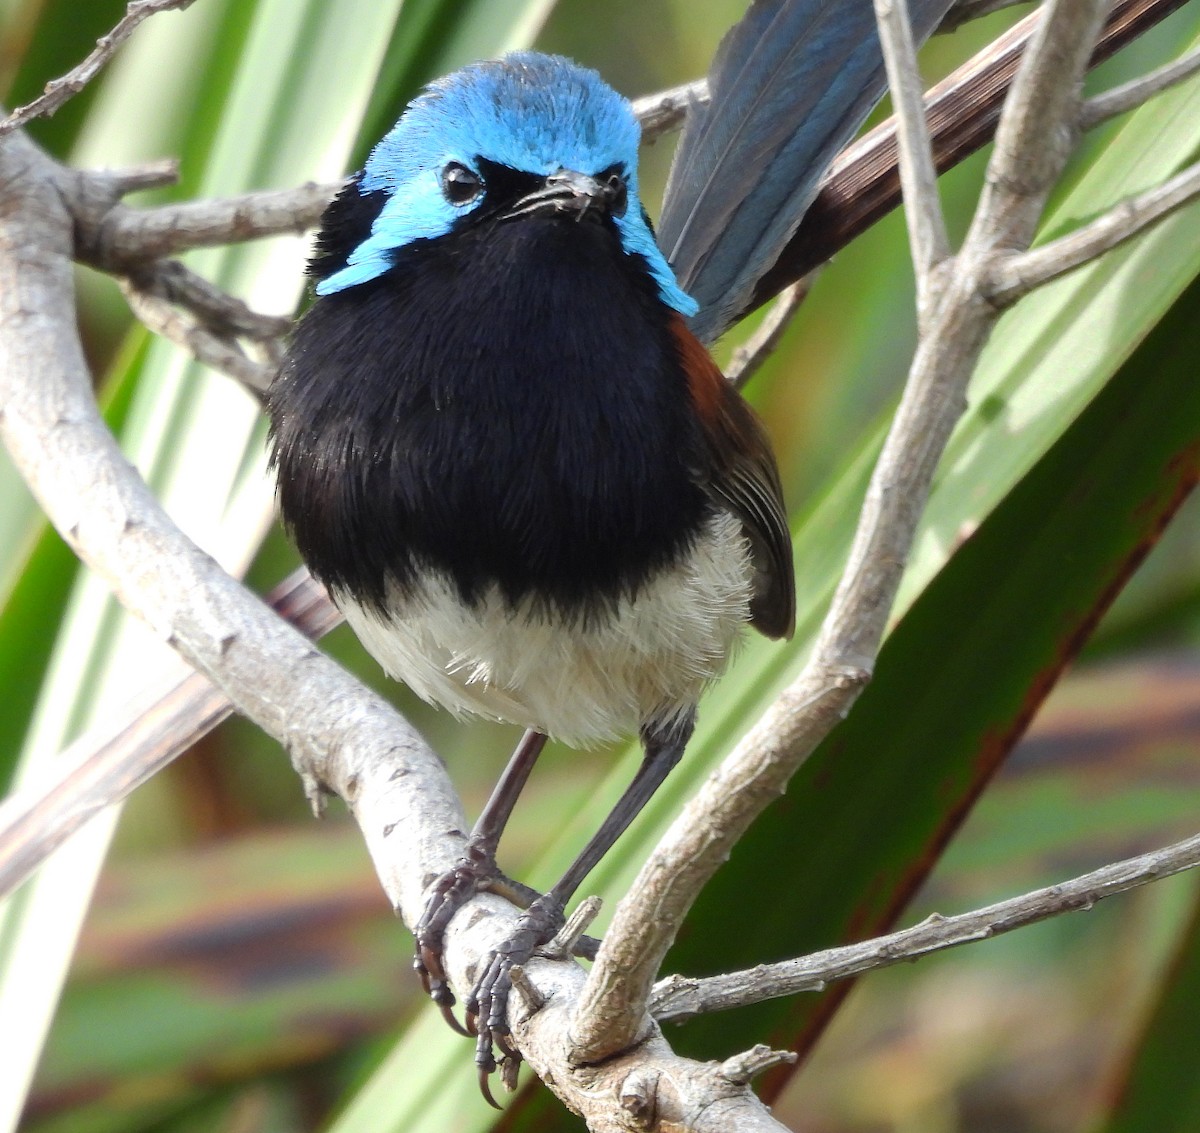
{"x": 345, "y": 223}
{"x": 790, "y": 85}
{"x": 743, "y": 477}
{"x": 504, "y": 405}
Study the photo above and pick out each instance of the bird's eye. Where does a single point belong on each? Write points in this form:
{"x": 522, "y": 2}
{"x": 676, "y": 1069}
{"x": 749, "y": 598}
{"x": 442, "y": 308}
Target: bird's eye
{"x": 460, "y": 184}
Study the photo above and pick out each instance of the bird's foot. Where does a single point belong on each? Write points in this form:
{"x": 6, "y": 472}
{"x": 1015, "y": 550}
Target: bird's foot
{"x": 487, "y": 1005}
{"x": 475, "y": 871}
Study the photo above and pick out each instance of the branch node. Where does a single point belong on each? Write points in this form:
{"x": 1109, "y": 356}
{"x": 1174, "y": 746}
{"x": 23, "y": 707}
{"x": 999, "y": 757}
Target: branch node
{"x": 562, "y": 947}
{"x": 742, "y": 1069}
{"x": 639, "y": 1097}
{"x": 315, "y": 792}
{"x": 150, "y": 175}
{"x": 534, "y": 1000}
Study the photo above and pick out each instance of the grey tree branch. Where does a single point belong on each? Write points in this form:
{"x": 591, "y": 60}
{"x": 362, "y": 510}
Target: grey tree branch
{"x": 666, "y": 110}
{"x": 918, "y": 177}
{"x": 1013, "y": 276}
{"x": 107, "y": 763}
{"x": 748, "y": 358}
{"x": 677, "y": 998}
{"x": 121, "y": 236}
{"x": 222, "y": 353}
{"x": 172, "y": 300}
{"x": 342, "y": 737}
{"x": 1043, "y": 102}
{"x": 1134, "y": 93}
{"x": 63, "y": 89}
{"x": 221, "y": 312}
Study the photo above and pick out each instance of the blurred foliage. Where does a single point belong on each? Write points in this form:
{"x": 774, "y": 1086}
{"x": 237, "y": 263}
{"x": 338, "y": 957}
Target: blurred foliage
{"x": 239, "y": 968}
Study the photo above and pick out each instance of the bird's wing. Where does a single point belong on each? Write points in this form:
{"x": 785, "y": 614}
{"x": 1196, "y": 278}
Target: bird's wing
{"x": 740, "y": 474}
{"x": 789, "y": 86}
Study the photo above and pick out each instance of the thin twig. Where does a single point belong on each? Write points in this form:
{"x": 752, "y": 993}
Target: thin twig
{"x": 1134, "y": 93}
{"x": 185, "y": 308}
{"x": 677, "y": 998}
{"x": 222, "y": 313}
{"x": 862, "y": 185}
{"x": 221, "y": 353}
{"x": 1016, "y": 275}
{"x": 748, "y": 358}
{"x": 613, "y": 1008}
{"x": 918, "y": 178}
{"x": 61, "y": 90}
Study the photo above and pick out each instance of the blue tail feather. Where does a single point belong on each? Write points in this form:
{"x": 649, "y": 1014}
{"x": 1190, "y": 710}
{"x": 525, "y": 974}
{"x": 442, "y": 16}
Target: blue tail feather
{"x": 790, "y": 85}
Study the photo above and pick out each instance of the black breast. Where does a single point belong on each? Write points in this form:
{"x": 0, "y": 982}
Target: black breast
{"x": 505, "y": 405}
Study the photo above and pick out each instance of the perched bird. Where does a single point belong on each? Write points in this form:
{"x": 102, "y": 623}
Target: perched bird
{"x": 504, "y": 450}
{"x": 524, "y": 481}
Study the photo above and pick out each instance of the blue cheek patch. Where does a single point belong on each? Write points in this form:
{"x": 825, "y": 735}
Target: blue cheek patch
{"x": 637, "y": 239}
{"x": 416, "y": 210}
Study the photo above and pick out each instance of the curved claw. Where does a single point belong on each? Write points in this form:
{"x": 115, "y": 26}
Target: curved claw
{"x": 487, "y": 1005}
{"x": 447, "y": 1011}
{"x": 485, "y": 1088}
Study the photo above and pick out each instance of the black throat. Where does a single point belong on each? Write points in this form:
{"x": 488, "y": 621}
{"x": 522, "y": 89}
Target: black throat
{"x": 506, "y": 406}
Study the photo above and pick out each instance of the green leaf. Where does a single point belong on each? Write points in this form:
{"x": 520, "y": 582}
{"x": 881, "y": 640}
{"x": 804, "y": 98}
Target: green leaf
{"x": 1161, "y": 1093}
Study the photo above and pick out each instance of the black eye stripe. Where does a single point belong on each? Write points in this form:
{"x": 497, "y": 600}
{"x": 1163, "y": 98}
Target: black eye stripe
{"x": 505, "y": 185}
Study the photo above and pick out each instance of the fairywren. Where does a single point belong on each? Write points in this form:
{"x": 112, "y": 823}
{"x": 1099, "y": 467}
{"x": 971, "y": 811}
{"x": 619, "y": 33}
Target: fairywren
{"x": 520, "y": 475}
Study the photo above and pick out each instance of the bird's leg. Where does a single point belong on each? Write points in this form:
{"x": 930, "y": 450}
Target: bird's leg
{"x": 487, "y": 1005}
{"x": 474, "y": 871}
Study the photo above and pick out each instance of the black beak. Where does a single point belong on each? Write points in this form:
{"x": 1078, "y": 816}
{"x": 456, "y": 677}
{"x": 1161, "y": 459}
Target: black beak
{"x": 567, "y": 191}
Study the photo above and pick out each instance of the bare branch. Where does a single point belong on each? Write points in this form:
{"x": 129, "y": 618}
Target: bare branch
{"x": 210, "y": 324}
{"x": 677, "y": 998}
{"x": 118, "y": 235}
{"x": 59, "y": 91}
{"x": 665, "y": 111}
{"x": 614, "y": 1005}
{"x": 222, "y": 354}
{"x": 221, "y": 312}
{"x": 1016, "y": 275}
{"x": 862, "y": 185}
{"x": 1038, "y": 128}
{"x": 748, "y": 358}
{"x": 342, "y": 737}
{"x": 918, "y": 177}
{"x": 1132, "y": 94}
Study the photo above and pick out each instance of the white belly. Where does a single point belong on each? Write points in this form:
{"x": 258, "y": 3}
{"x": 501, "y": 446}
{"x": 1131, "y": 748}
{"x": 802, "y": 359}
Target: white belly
{"x": 582, "y": 683}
